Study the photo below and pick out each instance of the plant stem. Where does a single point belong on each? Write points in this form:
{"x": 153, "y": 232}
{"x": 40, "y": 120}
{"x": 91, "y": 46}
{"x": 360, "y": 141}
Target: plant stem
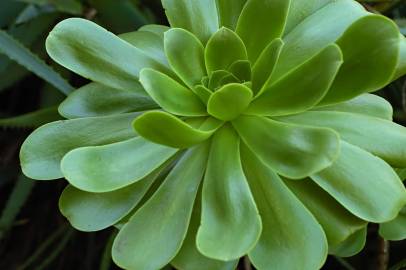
{"x": 383, "y": 254}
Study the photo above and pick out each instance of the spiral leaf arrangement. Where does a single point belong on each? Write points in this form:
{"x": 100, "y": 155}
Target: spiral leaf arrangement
{"x": 245, "y": 128}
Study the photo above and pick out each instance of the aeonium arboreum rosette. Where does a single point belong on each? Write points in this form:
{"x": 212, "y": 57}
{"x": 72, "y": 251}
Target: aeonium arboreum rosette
{"x": 245, "y": 128}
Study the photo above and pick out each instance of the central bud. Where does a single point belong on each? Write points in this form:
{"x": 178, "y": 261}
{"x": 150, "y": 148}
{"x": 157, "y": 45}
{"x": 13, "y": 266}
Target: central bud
{"x": 229, "y": 101}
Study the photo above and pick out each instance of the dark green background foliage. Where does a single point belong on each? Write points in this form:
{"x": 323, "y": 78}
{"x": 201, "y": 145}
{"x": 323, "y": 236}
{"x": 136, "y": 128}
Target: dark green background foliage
{"x": 33, "y": 235}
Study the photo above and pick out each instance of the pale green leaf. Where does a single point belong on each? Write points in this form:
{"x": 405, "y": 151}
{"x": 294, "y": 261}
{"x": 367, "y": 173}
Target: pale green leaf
{"x": 291, "y": 236}
{"x": 198, "y": 17}
{"x": 32, "y": 119}
{"x": 96, "y": 99}
{"x": 367, "y": 104}
{"x": 364, "y": 184}
{"x": 113, "y": 166}
{"x": 171, "y": 95}
{"x": 42, "y": 151}
{"x": 336, "y": 221}
{"x": 230, "y": 224}
{"x": 229, "y": 101}
{"x": 166, "y": 129}
{"x": 370, "y": 48}
{"x": 229, "y": 11}
{"x": 154, "y": 235}
{"x": 260, "y": 22}
{"x": 291, "y": 150}
{"x": 300, "y": 89}
{"x": 157, "y": 29}
{"x": 185, "y": 55}
{"x": 394, "y": 230}
{"x": 378, "y": 136}
{"x": 94, "y": 53}
{"x": 401, "y": 66}
{"x": 351, "y": 246}
{"x": 223, "y": 49}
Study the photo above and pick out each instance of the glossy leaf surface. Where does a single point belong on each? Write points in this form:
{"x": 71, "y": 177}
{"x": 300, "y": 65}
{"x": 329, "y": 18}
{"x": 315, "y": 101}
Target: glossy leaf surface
{"x": 230, "y": 224}
{"x": 159, "y": 227}
{"x": 292, "y": 151}
{"x": 113, "y": 166}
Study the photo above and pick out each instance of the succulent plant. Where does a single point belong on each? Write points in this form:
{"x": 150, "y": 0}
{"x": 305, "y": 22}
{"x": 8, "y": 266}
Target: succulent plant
{"x": 246, "y": 127}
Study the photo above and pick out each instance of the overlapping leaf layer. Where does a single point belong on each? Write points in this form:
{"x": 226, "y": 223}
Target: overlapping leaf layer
{"x": 245, "y": 128}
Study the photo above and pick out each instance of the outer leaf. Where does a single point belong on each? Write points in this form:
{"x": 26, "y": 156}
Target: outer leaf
{"x": 370, "y": 47}
{"x": 95, "y": 99}
{"x": 189, "y": 258}
{"x": 316, "y": 32}
{"x": 170, "y": 95}
{"x": 374, "y": 193}
{"x": 93, "y": 52}
{"x": 113, "y": 166}
{"x": 394, "y": 230}
{"x": 291, "y": 150}
{"x": 229, "y": 11}
{"x": 351, "y": 246}
{"x": 337, "y": 222}
{"x": 367, "y": 104}
{"x": 223, "y": 49}
{"x": 264, "y": 66}
{"x": 363, "y": 131}
{"x": 291, "y": 235}
{"x": 260, "y": 22}
{"x": 185, "y": 53}
{"x": 17, "y": 52}
{"x": 159, "y": 227}
{"x": 42, "y": 151}
{"x": 401, "y": 67}
{"x": 229, "y": 101}
{"x": 157, "y": 29}
{"x": 199, "y": 17}
{"x": 230, "y": 225}
{"x": 302, "y": 88}
{"x": 149, "y": 43}
{"x": 96, "y": 211}
{"x": 300, "y": 10}
{"x": 166, "y": 129}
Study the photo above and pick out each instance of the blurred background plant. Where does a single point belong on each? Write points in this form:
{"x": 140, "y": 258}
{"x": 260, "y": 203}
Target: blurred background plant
{"x": 33, "y": 235}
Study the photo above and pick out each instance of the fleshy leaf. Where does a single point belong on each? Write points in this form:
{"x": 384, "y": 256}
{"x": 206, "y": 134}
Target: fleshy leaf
{"x": 157, "y": 29}
{"x": 229, "y": 101}
{"x": 360, "y": 130}
{"x": 42, "y": 152}
{"x": 367, "y": 104}
{"x": 95, "y": 99}
{"x": 241, "y": 69}
{"x": 316, "y": 32}
{"x": 223, "y": 49}
{"x": 370, "y": 47}
{"x": 113, "y": 166}
{"x": 166, "y": 129}
{"x": 171, "y": 95}
{"x": 401, "y": 66}
{"x": 300, "y": 89}
{"x": 364, "y": 184}
{"x": 185, "y": 55}
{"x": 159, "y": 227}
{"x": 351, "y": 246}
{"x": 94, "y": 53}
{"x": 216, "y": 78}
{"x": 198, "y": 17}
{"x": 291, "y": 236}
{"x": 260, "y": 22}
{"x": 202, "y": 92}
{"x": 229, "y": 11}
{"x": 300, "y": 10}
{"x": 291, "y": 150}
{"x": 336, "y": 221}
{"x": 188, "y": 257}
{"x": 96, "y": 211}
{"x": 264, "y": 66}
{"x": 230, "y": 224}
{"x": 149, "y": 43}
{"x": 395, "y": 230}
